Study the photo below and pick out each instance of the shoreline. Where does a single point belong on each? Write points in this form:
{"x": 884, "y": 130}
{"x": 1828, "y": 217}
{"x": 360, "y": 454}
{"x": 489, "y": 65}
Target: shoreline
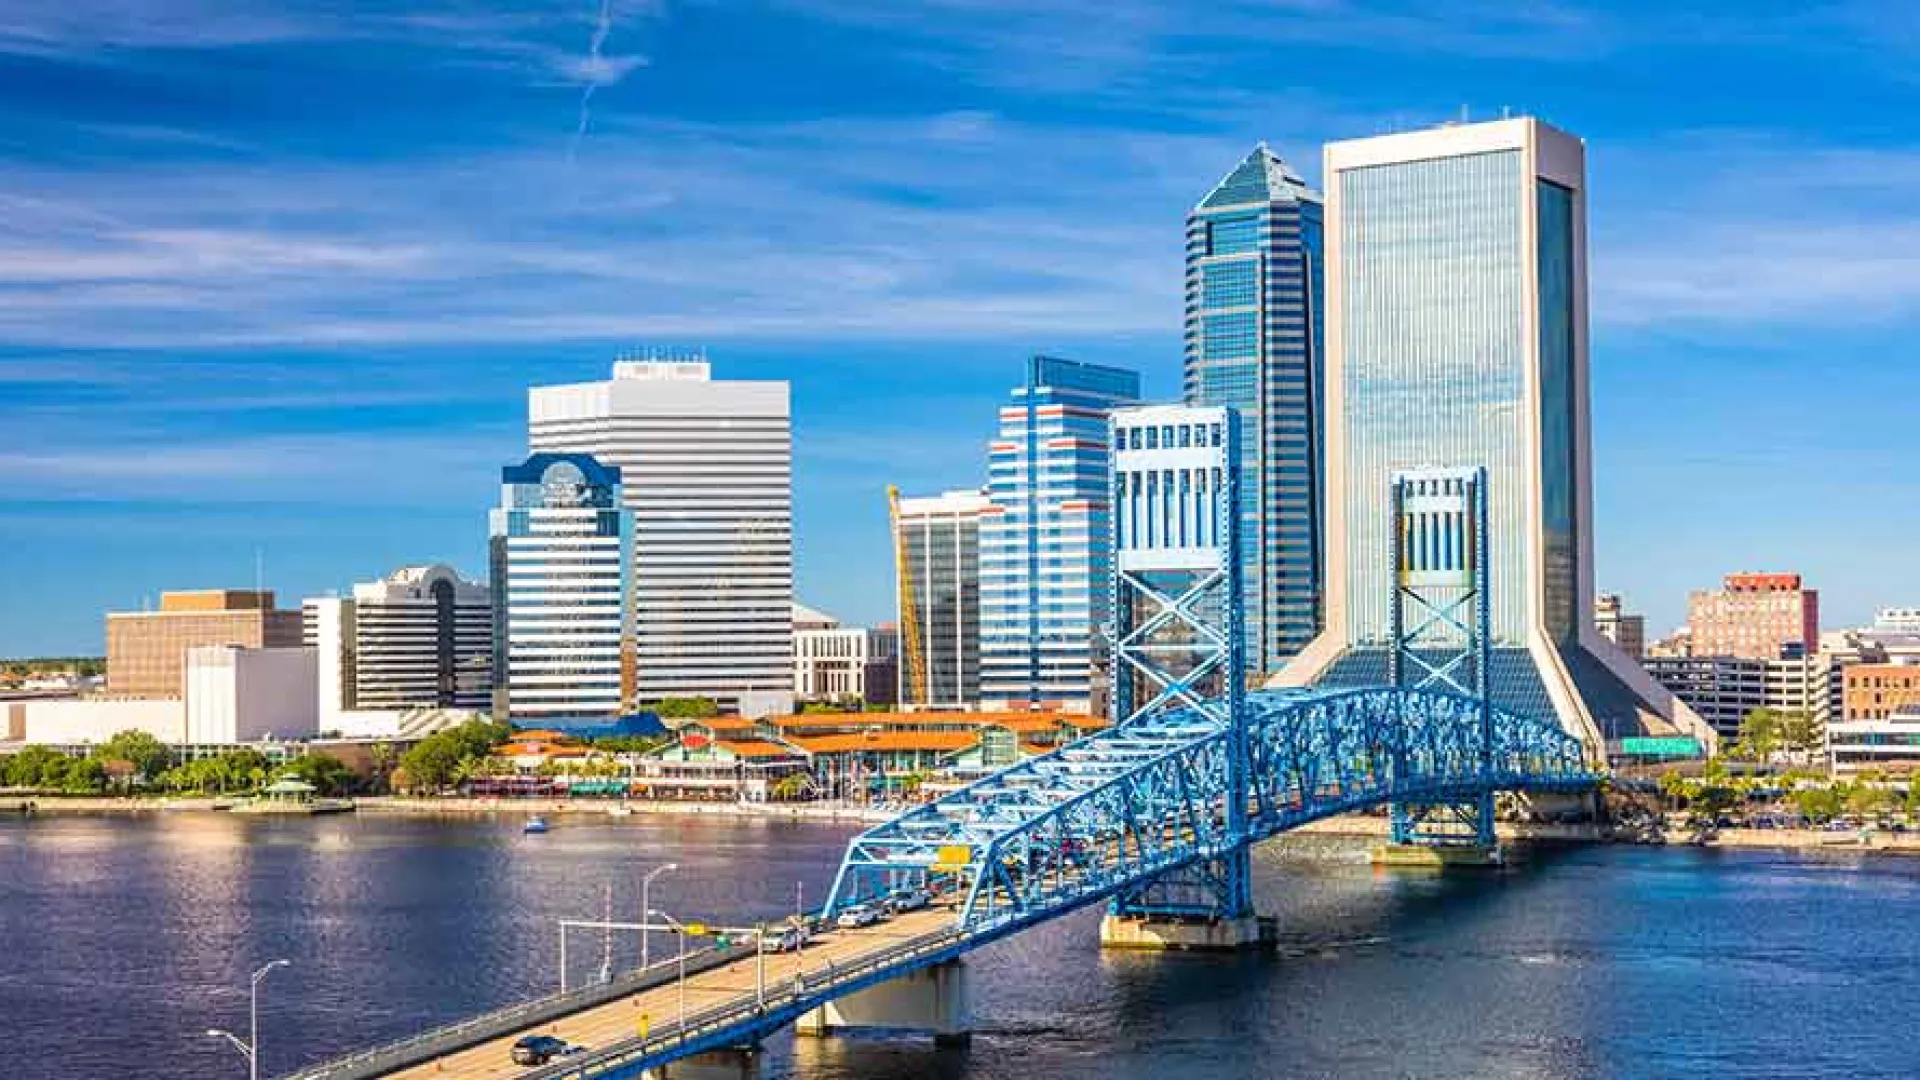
{"x": 1357, "y": 826}
{"x": 46, "y": 805}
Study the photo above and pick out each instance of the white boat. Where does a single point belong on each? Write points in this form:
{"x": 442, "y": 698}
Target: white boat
{"x": 535, "y": 824}
{"x": 620, "y": 810}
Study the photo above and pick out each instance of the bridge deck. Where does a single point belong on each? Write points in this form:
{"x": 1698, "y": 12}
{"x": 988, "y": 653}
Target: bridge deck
{"x": 731, "y": 984}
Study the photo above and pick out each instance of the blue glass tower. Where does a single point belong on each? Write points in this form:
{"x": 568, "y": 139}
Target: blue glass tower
{"x": 1253, "y": 344}
{"x": 1046, "y": 543}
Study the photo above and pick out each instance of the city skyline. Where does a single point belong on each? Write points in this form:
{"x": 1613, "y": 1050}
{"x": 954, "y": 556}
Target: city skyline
{"x": 212, "y": 354}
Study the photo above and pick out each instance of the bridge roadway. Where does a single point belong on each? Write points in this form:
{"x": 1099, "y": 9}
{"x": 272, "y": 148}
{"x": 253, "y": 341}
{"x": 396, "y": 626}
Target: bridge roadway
{"x": 724, "y": 990}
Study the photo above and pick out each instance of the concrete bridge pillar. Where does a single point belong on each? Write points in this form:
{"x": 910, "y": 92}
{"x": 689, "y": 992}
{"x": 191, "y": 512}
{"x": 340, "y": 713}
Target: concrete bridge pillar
{"x": 933, "y": 999}
{"x": 732, "y": 1063}
{"x": 1161, "y": 933}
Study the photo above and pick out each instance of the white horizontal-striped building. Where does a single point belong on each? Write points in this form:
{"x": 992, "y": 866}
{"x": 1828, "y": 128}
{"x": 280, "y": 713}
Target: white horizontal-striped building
{"x": 563, "y": 632}
{"x": 706, "y": 468}
{"x": 419, "y": 638}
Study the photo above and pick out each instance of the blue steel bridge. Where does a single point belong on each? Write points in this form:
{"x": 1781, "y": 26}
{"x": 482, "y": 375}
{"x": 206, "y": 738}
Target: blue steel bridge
{"x": 1103, "y": 819}
{"x": 1154, "y": 816}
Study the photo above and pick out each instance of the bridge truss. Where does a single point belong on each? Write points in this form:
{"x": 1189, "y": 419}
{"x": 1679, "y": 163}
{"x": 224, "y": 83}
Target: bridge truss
{"x": 1116, "y": 810}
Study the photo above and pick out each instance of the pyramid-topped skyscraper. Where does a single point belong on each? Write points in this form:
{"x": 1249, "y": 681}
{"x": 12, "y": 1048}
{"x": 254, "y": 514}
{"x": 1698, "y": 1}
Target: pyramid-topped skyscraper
{"x": 1253, "y": 342}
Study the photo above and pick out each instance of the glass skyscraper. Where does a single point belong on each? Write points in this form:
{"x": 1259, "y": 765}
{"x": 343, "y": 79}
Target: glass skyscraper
{"x": 1457, "y": 338}
{"x": 1253, "y": 343}
{"x": 1045, "y": 546}
{"x": 939, "y": 539}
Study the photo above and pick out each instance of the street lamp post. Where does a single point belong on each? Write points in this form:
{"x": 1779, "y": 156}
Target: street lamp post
{"x": 250, "y": 1049}
{"x": 646, "y": 908}
{"x": 681, "y": 933}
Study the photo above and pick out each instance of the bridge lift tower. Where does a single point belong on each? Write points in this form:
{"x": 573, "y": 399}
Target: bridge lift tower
{"x": 1176, "y": 614}
{"x": 1439, "y": 619}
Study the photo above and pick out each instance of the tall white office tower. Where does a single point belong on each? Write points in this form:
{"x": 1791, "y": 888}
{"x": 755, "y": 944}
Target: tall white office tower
{"x": 706, "y": 468}
{"x": 1457, "y": 338}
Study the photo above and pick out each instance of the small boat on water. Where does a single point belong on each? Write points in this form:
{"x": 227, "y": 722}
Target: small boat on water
{"x": 535, "y": 824}
{"x": 620, "y": 810}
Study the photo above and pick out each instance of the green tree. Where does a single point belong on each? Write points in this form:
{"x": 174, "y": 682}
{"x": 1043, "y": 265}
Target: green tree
{"x": 84, "y": 776}
{"x": 791, "y": 786}
{"x": 1865, "y": 800}
{"x": 148, "y": 755}
{"x": 325, "y": 772}
{"x": 1800, "y": 734}
{"x": 687, "y": 708}
{"x": 1819, "y": 803}
{"x": 383, "y": 757}
{"x": 35, "y": 767}
{"x": 432, "y": 763}
{"x": 1760, "y": 735}
{"x": 629, "y": 744}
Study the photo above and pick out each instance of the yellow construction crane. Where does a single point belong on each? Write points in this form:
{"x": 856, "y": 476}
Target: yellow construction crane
{"x": 909, "y": 606}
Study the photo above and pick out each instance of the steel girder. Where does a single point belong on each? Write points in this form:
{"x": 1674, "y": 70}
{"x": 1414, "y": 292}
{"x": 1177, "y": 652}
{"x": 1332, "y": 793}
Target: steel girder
{"x": 1111, "y": 812}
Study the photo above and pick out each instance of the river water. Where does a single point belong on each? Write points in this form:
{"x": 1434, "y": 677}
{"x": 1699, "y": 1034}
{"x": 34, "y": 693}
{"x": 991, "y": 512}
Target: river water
{"x": 123, "y": 939}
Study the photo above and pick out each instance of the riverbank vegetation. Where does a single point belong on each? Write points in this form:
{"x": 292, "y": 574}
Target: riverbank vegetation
{"x": 134, "y": 762}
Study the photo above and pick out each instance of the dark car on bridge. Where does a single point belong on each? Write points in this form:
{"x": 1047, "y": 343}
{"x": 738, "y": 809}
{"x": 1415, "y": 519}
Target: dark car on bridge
{"x": 540, "y": 1049}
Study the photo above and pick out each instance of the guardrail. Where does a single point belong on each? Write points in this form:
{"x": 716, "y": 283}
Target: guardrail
{"x": 723, "y": 1024}
{"x": 457, "y": 1036}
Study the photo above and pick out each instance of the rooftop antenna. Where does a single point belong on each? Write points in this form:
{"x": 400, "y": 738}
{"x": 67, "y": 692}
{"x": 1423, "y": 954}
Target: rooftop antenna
{"x": 259, "y": 571}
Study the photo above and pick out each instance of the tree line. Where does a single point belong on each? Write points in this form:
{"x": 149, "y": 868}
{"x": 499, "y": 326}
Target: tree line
{"x": 137, "y": 761}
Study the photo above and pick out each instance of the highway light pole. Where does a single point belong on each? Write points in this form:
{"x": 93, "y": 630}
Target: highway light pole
{"x": 681, "y": 933}
{"x": 646, "y": 907}
{"x": 250, "y": 1049}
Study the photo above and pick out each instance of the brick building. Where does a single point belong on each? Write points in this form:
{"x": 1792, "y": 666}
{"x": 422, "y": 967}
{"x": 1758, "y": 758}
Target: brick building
{"x": 1754, "y": 617}
{"x": 147, "y": 650}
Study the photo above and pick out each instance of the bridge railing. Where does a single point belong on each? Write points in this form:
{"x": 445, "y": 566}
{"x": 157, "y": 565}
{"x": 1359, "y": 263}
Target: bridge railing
{"x": 450, "y": 1038}
{"x": 734, "y": 1022}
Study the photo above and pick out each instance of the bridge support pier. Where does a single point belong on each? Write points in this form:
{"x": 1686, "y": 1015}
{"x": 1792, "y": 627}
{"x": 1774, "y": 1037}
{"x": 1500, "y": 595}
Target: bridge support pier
{"x": 733, "y": 1063}
{"x": 1440, "y": 836}
{"x": 1161, "y": 933}
{"x": 933, "y": 999}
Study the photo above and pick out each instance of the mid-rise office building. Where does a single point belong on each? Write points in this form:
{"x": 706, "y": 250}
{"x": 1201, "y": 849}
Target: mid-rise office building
{"x": 1627, "y": 631}
{"x": 1046, "y": 550}
{"x": 1457, "y": 339}
{"x": 1879, "y": 723}
{"x": 419, "y": 638}
{"x": 1254, "y": 329}
{"x": 147, "y": 650}
{"x": 1878, "y": 691}
{"x": 1754, "y": 615}
{"x": 706, "y": 470}
{"x": 563, "y": 628}
{"x": 836, "y": 664}
{"x": 1723, "y": 690}
{"x": 937, "y": 598}
{"x": 1897, "y": 620}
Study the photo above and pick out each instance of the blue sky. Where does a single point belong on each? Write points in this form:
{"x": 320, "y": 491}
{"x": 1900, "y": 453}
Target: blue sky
{"x": 275, "y": 276}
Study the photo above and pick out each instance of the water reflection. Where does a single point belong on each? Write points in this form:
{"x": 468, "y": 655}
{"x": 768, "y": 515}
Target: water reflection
{"x": 122, "y": 938}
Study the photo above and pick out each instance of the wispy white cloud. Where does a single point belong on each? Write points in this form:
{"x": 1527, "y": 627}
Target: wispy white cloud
{"x": 374, "y": 467}
{"x": 1755, "y": 228}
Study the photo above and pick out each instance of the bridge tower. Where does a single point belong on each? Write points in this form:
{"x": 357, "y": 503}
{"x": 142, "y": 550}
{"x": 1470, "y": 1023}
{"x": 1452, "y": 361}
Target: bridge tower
{"x": 1177, "y": 645}
{"x": 1439, "y": 618}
